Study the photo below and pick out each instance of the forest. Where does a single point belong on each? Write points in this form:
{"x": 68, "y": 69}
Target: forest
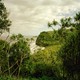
{"x": 59, "y": 60}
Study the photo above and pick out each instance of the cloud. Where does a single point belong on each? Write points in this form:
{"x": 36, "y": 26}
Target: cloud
{"x": 29, "y": 17}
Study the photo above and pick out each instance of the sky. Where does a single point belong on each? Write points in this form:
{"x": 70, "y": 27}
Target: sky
{"x": 30, "y": 17}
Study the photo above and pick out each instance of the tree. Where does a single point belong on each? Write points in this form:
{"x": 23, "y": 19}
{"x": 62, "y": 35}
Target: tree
{"x": 16, "y": 37}
{"x": 77, "y": 17}
{"x": 19, "y": 52}
{"x": 77, "y": 21}
{"x": 4, "y": 21}
{"x": 50, "y": 25}
{"x": 54, "y": 22}
{"x": 4, "y": 49}
{"x": 44, "y": 39}
{"x": 70, "y": 54}
{"x": 65, "y": 22}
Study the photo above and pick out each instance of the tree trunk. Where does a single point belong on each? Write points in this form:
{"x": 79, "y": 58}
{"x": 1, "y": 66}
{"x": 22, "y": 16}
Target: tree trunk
{"x": 20, "y": 67}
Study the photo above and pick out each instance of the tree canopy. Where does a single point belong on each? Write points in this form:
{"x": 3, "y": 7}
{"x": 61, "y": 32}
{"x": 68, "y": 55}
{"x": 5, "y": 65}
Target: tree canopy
{"x": 4, "y": 21}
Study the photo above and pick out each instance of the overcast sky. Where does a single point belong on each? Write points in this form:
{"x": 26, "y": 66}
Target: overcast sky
{"x": 30, "y": 17}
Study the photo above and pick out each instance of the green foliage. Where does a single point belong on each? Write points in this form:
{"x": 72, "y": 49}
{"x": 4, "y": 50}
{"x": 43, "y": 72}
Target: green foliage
{"x": 60, "y": 58}
{"x": 53, "y": 37}
{"x": 19, "y": 49}
{"x": 28, "y": 78}
{"x": 65, "y": 22}
{"x": 14, "y": 55}
{"x": 43, "y": 63}
{"x": 4, "y": 21}
{"x": 16, "y": 37}
{"x": 44, "y": 39}
{"x": 4, "y": 48}
{"x": 70, "y": 54}
{"x": 54, "y": 22}
{"x": 19, "y": 53}
{"x": 77, "y": 17}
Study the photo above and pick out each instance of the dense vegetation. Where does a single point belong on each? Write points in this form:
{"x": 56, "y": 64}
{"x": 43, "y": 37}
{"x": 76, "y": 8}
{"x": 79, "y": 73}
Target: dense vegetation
{"x": 60, "y": 60}
{"x": 4, "y": 21}
{"x": 54, "y": 37}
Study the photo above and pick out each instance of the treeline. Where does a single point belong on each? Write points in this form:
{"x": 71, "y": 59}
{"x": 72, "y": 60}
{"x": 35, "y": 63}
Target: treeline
{"x": 68, "y": 36}
{"x": 13, "y": 55}
{"x": 54, "y": 37}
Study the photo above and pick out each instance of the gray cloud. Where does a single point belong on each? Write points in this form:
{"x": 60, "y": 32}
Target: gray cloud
{"x": 29, "y": 17}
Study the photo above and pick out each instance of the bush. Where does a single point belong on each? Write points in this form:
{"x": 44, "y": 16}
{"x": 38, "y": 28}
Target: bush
{"x": 43, "y": 63}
